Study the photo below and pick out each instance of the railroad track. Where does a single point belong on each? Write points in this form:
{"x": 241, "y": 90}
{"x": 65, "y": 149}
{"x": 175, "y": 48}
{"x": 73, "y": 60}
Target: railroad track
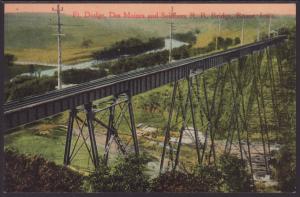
{"x": 27, "y": 103}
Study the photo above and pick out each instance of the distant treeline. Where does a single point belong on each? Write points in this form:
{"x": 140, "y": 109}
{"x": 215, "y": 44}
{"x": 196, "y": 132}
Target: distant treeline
{"x": 188, "y": 37}
{"x": 131, "y": 46}
{"x": 156, "y": 58}
{"x": 76, "y": 76}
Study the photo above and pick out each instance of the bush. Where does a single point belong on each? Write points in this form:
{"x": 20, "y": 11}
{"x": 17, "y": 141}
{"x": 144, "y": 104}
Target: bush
{"x": 76, "y": 76}
{"x": 181, "y": 52}
{"x": 236, "y": 175}
{"x": 203, "y": 179}
{"x": 141, "y": 61}
{"x": 35, "y": 174}
{"x": 131, "y": 46}
{"x": 86, "y": 43}
{"x": 188, "y": 37}
{"x": 26, "y": 86}
{"x": 126, "y": 176}
{"x": 236, "y": 41}
{"x": 9, "y": 59}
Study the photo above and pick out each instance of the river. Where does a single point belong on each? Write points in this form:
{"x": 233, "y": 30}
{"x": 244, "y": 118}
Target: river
{"x": 89, "y": 64}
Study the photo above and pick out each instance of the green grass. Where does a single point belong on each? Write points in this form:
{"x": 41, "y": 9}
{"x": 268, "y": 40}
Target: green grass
{"x": 48, "y": 143}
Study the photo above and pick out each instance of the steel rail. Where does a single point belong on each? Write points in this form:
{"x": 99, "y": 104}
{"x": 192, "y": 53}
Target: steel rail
{"x": 215, "y": 59}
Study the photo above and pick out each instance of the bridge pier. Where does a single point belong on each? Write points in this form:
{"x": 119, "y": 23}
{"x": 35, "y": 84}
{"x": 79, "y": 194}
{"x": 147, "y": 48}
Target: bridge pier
{"x": 184, "y": 107}
{"x": 92, "y": 122}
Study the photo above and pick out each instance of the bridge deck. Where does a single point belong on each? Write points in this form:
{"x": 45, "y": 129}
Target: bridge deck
{"x": 33, "y": 108}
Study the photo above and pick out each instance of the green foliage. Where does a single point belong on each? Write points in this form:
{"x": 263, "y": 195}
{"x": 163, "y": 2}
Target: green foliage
{"x": 24, "y": 86}
{"x": 188, "y": 37}
{"x": 203, "y": 179}
{"x": 181, "y": 52}
{"x": 31, "y": 69}
{"x": 125, "y": 64}
{"x": 86, "y": 43}
{"x": 142, "y": 61}
{"x": 35, "y": 174}
{"x": 131, "y": 46}
{"x": 15, "y": 70}
{"x": 76, "y": 76}
{"x": 127, "y": 175}
{"x": 236, "y": 176}
{"x": 9, "y": 59}
{"x": 224, "y": 43}
{"x": 155, "y": 101}
{"x": 286, "y": 168}
{"x": 237, "y": 41}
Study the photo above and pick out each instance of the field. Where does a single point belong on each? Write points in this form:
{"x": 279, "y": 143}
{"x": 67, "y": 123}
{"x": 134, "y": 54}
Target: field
{"x": 31, "y": 37}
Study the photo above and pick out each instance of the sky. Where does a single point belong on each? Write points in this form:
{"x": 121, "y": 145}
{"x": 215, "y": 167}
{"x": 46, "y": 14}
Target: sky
{"x": 151, "y": 9}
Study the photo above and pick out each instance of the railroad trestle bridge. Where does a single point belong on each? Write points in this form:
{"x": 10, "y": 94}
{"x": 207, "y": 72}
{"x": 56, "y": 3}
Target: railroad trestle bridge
{"x": 189, "y": 98}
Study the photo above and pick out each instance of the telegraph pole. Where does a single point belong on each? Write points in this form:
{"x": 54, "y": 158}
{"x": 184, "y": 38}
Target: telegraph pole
{"x": 258, "y": 34}
{"x": 219, "y": 31}
{"x": 269, "y": 34}
{"x": 258, "y": 31}
{"x": 58, "y": 10}
{"x": 242, "y": 35}
{"x": 171, "y": 34}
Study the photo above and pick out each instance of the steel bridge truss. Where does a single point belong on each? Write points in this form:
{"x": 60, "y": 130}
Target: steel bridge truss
{"x": 118, "y": 109}
{"x": 246, "y": 80}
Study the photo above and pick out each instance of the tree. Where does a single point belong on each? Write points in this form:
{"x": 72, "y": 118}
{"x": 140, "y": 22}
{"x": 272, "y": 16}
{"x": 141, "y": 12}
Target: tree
{"x": 35, "y": 174}
{"x": 26, "y": 86}
{"x": 197, "y": 31}
{"x": 202, "y": 179}
{"x": 86, "y": 43}
{"x": 131, "y": 46}
{"x": 9, "y": 59}
{"x": 31, "y": 69}
{"x": 228, "y": 42}
{"x": 128, "y": 175}
{"x": 286, "y": 168}
{"x": 188, "y": 37}
{"x": 235, "y": 172}
{"x": 221, "y": 42}
{"x": 76, "y": 76}
{"x": 236, "y": 41}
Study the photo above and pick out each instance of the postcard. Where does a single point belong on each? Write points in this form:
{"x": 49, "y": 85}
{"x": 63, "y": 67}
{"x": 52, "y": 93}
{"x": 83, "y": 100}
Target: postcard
{"x": 149, "y": 97}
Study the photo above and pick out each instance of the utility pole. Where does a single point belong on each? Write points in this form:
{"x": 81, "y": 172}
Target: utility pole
{"x": 258, "y": 34}
{"x": 258, "y": 31}
{"x": 171, "y": 34}
{"x": 269, "y": 34}
{"x": 242, "y": 35}
{"x": 219, "y": 31}
{"x": 58, "y": 10}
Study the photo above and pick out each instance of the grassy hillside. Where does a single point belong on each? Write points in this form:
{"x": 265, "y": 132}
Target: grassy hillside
{"x": 31, "y": 36}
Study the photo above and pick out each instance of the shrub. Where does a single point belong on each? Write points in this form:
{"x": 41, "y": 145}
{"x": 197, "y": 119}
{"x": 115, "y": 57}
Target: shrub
{"x": 131, "y": 46}
{"x": 35, "y": 174}
{"x": 188, "y": 37}
{"x": 76, "y": 76}
{"x": 236, "y": 41}
{"x": 236, "y": 175}
{"x": 27, "y": 86}
{"x": 9, "y": 59}
{"x": 203, "y": 179}
{"x": 126, "y": 176}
